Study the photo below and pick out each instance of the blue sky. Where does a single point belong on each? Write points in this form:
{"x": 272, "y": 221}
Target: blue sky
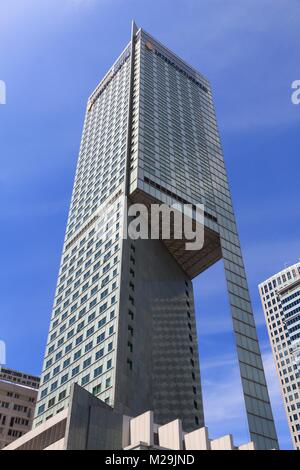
{"x": 52, "y": 54}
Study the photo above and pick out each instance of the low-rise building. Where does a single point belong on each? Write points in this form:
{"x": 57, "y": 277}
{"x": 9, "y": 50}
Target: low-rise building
{"x": 18, "y": 393}
{"x": 90, "y": 424}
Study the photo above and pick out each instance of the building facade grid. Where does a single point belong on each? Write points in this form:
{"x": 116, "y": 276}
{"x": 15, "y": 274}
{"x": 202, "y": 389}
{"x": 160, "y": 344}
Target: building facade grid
{"x": 278, "y": 294}
{"x": 150, "y": 133}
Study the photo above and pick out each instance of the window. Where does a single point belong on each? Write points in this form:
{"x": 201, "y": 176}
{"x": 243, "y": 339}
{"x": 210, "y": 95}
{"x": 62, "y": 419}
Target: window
{"x": 101, "y": 338}
{"x": 82, "y": 312}
{"x": 99, "y": 354}
{"x": 85, "y": 379}
{"x": 70, "y": 334}
{"x": 66, "y": 363}
{"x": 130, "y": 313}
{"x": 54, "y": 386}
{"x": 64, "y": 379}
{"x": 62, "y": 395}
{"x": 79, "y": 340}
{"x": 51, "y": 402}
{"x": 48, "y": 363}
{"x": 75, "y": 371}
{"x": 130, "y": 329}
{"x": 58, "y": 355}
{"x": 86, "y": 363}
{"x": 77, "y": 355}
{"x": 90, "y": 331}
{"x": 97, "y": 389}
{"x": 91, "y": 317}
{"x": 98, "y": 371}
{"x": 103, "y": 308}
{"x": 41, "y": 409}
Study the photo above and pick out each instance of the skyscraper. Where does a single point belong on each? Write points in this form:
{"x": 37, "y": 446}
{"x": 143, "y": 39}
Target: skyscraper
{"x": 280, "y": 297}
{"x": 123, "y": 320}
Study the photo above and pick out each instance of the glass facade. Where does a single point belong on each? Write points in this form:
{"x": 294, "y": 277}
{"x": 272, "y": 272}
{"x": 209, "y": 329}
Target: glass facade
{"x": 123, "y": 321}
{"x": 177, "y": 156}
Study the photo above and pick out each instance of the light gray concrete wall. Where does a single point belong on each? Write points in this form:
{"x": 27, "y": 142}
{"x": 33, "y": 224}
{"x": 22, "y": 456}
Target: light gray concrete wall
{"x": 91, "y": 423}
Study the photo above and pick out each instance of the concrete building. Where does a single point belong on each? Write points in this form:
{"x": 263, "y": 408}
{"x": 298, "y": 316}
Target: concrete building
{"x": 280, "y": 297}
{"x": 90, "y": 424}
{"x": 18, "y": 393}
{"x": 123, "y": 320}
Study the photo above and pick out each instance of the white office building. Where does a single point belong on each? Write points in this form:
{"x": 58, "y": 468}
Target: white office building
{"x": 280, "y": 297}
